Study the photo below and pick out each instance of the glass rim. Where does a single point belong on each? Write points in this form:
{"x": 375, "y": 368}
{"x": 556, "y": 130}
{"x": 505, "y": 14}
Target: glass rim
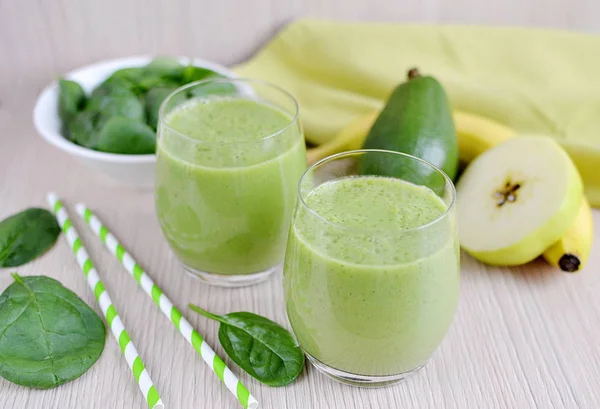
{"x": 162, "y": 114}
{"x": 448, "y": 182}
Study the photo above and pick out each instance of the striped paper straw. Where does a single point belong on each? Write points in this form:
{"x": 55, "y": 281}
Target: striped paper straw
{"x": 108, "y": 309}
{"x": 171, "y": 312}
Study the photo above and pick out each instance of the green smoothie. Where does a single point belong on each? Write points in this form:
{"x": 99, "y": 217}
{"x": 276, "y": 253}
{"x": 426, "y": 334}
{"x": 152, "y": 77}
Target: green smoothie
{"x": 227, "y": 171}
{"x": 367, "y": 291}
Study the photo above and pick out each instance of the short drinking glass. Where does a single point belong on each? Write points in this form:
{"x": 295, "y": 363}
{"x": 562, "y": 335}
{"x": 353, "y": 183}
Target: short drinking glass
{"x": 229, "y": 156}
{"x": 371, "y": 272}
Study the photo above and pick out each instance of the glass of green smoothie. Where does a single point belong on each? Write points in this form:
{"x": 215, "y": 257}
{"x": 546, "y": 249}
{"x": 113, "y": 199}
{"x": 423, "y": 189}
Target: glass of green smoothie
{"x": 230, "y": 153}
{"x": 371, "y": 272}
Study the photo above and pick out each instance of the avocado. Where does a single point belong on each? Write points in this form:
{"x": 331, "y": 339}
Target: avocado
{"x": 416, "y": 120}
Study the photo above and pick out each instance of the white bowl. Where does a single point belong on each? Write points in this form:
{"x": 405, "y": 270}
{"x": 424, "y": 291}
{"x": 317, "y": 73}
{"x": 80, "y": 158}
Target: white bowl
{"x": 131, "y": 170}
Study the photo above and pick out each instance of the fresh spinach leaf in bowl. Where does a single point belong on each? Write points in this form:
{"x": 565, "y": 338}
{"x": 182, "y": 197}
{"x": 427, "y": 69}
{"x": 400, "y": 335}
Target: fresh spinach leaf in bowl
{"x": 121, "y": 114}
{"x": 71, "y": 99}
{"x": 116, "y": 102}
{"x": 126, "y": 135}
{"x": 154, "y": 99}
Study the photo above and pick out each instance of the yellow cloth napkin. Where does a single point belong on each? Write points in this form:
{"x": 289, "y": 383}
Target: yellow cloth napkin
{"x": 530, "y": 79}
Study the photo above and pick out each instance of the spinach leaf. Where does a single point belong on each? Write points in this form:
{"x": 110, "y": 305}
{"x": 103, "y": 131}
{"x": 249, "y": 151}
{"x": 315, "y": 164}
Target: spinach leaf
{"x": 154, "y": 80}
{"x": 167, "y": 68}
{"x": 49, "y": 336}
{"x": 132, "y": 74}
{"x": 192, "y": 73}
{"x": 116, "y": 102}
{"x": 133, "y": 94}
{"x": 214, "y": 88}
{"x": 111, "y": 84}
{"x": 71, "y": 99}
{"x": 127, "y": 136}
{"x": 154, "y": 98}
{"x": 144, "y": 79}
{"x": 26, "y": 235}
{"x": 259, "y": 346}
{"x": 81, "y": 129}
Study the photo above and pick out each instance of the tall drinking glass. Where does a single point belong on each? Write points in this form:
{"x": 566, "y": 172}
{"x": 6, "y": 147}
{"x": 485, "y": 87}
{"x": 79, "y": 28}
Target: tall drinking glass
{"x": 371, "y": 273}
{"x": 229, "y": 156}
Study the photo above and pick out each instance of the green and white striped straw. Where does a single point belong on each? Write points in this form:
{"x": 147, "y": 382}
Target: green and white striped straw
{"x": 171, "y": 312}
{"x": 110, "y": 313}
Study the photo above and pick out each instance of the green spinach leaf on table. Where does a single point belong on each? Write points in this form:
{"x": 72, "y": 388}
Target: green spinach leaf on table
{"x": 26, "y": 235}
{"x": 261, "y": 347}
{"x": 49, "y": 336}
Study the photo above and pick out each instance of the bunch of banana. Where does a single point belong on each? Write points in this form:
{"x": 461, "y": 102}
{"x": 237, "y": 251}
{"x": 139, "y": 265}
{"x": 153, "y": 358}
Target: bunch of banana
{"x": 475, "y": 135}
{"x": 350, "y": 138}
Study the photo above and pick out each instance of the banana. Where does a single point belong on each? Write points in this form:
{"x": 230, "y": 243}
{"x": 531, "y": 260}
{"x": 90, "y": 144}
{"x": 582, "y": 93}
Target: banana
{"x": 475, "y": 134}
{"x": 571, "y": 252}
{"x": 351, "y": 137}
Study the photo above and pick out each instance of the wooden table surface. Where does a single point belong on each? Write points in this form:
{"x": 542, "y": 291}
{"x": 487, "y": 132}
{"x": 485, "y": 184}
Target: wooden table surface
{"x": 526, "y": 337}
